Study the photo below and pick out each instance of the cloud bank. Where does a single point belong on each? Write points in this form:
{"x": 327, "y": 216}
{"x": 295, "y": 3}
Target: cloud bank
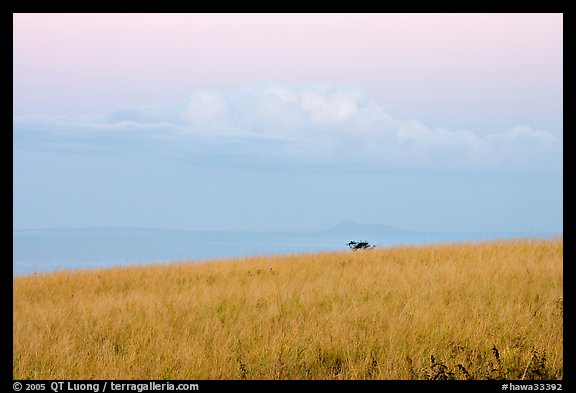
{"x": 272, "y": 123}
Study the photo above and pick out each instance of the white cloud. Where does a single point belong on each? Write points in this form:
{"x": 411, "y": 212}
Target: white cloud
{"x": 207, "y": 111}
{"x": 275, "y": 123}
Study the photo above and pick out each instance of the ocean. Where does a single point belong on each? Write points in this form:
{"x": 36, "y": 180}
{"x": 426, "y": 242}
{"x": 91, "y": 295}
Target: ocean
{"x": 49, "y": 250}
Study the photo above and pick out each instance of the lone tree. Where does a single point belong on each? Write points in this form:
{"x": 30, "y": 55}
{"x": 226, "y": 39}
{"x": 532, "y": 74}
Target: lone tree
{"x": 360, "y": 245}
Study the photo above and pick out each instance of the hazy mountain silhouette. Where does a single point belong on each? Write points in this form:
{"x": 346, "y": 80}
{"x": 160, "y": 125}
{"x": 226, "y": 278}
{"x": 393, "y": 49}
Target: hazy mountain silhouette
{"x": 356, "y": 230}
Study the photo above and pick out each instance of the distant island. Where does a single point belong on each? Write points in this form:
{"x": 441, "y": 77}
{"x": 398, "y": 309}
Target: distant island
{"x": 353, "y": 228}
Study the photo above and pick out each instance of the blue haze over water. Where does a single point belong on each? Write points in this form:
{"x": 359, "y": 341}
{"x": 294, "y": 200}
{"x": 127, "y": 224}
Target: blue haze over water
{"x": 49, "y": 250}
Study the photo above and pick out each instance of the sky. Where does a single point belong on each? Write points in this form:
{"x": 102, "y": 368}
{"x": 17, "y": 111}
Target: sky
{"x": 443, "y": 122}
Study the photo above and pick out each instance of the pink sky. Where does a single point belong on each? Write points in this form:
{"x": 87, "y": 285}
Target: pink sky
{"x": 446, "y": 69}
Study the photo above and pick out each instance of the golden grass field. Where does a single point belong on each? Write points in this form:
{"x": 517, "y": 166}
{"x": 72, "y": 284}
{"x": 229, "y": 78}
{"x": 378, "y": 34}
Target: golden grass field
{"x": 489, "y": 310}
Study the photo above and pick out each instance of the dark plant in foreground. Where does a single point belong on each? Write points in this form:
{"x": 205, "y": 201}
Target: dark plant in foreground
{"x": 440, "y": 369}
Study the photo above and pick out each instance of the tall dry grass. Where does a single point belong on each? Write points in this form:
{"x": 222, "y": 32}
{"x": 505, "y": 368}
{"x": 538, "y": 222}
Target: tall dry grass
{"x": 479, "y": 311}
